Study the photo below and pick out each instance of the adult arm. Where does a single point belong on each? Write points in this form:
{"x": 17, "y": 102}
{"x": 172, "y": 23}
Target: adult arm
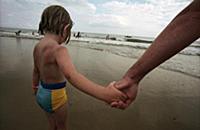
{"x": 180, "y": 33}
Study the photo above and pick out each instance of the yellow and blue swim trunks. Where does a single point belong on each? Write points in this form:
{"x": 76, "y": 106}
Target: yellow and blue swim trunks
{"x": 51, "y": 96}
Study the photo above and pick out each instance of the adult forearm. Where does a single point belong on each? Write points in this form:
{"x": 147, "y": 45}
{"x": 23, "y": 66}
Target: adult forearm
{"x": 180, "y": 33}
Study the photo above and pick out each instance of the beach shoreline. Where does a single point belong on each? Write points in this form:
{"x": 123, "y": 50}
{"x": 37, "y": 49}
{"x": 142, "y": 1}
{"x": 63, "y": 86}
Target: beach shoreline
{"x": 134, "y": 50}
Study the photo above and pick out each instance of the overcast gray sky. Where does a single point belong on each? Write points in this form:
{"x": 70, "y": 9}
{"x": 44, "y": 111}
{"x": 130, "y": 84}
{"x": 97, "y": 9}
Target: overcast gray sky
{"x": 128, "y": 17}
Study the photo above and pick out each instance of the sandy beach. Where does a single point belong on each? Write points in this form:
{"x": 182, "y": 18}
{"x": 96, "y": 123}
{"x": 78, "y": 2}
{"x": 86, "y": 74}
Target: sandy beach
{"x": 167, "y": 100}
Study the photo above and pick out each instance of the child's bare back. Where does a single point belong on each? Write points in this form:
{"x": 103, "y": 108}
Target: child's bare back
{"x": 45, "y": 60}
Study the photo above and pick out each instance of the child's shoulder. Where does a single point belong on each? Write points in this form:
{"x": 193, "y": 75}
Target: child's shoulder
{"x": 61, "y": 48}
{"x": 43, "y": 43}
{"x": 61, "y": 51}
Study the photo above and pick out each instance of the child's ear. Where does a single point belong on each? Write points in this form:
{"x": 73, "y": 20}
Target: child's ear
{"x": 66, "y": 27}
{"x": 67, "y": 33}
{"x": 66, "y": 30}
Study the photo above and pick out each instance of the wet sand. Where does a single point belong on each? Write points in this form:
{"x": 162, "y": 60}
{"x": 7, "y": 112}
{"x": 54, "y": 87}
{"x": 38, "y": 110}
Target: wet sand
{"x": 167, "y": 100}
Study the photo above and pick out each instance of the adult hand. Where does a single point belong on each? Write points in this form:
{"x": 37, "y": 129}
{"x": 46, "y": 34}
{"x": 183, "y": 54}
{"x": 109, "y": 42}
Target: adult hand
{"x": 130, "y": 88}
{"x": 112, "y": 94}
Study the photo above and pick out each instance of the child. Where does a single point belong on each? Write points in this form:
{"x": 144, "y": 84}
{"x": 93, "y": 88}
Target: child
{"x": 52, "y": 66}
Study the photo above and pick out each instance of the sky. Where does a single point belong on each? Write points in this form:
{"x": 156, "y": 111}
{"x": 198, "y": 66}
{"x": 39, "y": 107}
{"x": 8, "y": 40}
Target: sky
{"x": 126, "y": 17}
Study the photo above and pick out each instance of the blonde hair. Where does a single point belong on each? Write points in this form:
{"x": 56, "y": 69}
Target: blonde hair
{"x": 53, "y": 20}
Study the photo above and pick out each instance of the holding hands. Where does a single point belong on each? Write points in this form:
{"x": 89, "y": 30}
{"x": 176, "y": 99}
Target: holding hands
{"x": 112, "y": 94}
{"x": 129, "y": 89}
{"x": 178, "y": 34}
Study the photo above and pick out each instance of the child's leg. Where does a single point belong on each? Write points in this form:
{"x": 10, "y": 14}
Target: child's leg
{"x": 61, "y": 117}
{"x": 51, "y": 120}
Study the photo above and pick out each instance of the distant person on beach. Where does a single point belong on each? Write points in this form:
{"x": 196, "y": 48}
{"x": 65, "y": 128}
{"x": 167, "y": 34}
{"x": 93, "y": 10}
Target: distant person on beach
{"x": 53, "y": 66}
{"x": 78, "y": 35}
{"x": 18, "y": 33}
{"x": 107, "y": 37}
{"x": 183, "y": 30}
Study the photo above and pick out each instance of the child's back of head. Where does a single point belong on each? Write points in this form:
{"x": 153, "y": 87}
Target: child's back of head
{"x": 54, "y": 19}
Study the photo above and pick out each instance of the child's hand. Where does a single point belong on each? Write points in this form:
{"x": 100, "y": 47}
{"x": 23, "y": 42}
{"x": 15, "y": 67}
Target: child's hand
{"x": 35, "y": 90}
{"x": 113, "y": 95}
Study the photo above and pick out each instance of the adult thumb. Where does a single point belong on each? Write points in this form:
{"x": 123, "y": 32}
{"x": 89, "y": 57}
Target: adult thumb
{"x": 121, "y": 85}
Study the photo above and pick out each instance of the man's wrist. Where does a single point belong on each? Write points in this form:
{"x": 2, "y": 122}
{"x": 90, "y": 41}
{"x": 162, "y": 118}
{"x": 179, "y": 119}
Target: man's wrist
{"x": 132, "y": 79}
{"x": 135, "y": 73}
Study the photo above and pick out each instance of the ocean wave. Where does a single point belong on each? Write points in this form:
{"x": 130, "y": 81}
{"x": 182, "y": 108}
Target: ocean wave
{"x": 186, "y": 62}
{"x": 190, "y": 55}
{"x": 193, "y": 49}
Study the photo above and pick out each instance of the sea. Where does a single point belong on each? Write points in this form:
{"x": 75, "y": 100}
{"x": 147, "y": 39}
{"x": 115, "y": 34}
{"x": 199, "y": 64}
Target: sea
{"x": 187, "y": 61}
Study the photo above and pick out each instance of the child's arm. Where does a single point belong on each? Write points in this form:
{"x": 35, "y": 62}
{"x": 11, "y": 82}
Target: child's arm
{"x": 107, "y": 94}
{"x": 35, "y": 78}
